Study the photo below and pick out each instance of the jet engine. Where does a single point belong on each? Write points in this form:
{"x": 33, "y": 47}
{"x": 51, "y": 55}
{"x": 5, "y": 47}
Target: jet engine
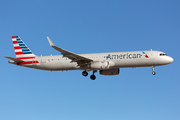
{"x": 114, "y": 71}
{"x": 101, "y": 65}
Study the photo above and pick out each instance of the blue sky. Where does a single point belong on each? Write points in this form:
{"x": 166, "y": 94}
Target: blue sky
{"x": 90, "y": 27}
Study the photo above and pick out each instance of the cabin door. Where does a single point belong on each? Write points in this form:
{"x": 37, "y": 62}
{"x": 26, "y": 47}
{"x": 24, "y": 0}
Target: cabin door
{"x": 152, "y": 55}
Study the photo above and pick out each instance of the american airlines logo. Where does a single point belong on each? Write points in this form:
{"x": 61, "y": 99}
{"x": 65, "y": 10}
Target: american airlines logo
{"x": 145, "y": 55}
{"x": 123, "y": 56}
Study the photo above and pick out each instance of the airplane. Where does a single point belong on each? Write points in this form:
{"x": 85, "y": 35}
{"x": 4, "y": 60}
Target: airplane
{"x": 106, "y": 63}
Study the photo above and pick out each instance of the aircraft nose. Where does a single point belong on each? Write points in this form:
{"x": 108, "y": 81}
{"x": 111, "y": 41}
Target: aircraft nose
{"x": 170, "y": 59}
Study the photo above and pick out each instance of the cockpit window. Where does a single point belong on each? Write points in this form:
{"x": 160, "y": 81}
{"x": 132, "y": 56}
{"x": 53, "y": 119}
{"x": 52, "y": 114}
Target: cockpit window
{"x": 163, "y": 54}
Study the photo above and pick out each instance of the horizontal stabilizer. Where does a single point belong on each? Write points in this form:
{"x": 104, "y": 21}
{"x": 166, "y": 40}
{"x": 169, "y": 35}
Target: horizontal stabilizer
{"x": 14, "y": 59}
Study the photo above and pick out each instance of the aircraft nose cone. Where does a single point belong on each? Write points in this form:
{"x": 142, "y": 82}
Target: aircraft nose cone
{"x": 170, "y": 59}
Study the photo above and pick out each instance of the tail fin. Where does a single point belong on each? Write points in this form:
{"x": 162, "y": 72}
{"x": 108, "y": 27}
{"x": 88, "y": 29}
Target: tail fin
{"x": 21, "y": 50}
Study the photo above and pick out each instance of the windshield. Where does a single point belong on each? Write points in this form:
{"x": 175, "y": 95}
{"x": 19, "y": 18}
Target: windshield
{"x": 163, "y": 54}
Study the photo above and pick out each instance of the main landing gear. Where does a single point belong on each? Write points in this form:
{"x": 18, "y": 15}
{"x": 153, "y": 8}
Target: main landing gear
{"x": 153, "y": 70}
{"x": 93, "y": 77}
{"x": 85, "y": 73}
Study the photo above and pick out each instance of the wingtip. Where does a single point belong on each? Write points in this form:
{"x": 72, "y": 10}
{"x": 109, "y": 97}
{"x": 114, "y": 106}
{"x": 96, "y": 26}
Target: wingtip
{"x": 50, "y": 42}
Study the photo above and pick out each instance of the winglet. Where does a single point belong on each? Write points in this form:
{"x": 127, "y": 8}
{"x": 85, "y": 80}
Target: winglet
{"x": 50, "y": 42}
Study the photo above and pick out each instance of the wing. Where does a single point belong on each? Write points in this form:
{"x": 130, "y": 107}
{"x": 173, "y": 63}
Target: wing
{"x": 74, "y": 57}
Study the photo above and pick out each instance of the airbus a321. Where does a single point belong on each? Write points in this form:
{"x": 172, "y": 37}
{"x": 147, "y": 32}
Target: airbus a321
{"x": 105, "y": 63}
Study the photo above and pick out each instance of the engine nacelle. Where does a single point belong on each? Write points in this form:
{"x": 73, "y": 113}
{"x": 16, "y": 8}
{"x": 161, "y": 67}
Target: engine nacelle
{"x": 101, "y": 65}
{"x": 114, "y": 71}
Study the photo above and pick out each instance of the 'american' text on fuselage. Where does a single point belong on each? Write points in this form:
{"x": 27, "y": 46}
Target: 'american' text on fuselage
{"x": 123, "y": 56}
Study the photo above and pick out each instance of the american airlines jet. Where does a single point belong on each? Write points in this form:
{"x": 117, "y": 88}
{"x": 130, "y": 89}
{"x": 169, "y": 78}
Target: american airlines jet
{"x": 106, "y": 63}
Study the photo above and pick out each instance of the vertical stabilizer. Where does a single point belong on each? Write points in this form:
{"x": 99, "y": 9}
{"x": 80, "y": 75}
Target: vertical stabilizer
{"x": 22, "y": 52}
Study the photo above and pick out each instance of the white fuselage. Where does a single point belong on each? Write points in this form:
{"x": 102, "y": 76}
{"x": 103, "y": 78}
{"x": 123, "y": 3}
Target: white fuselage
{"x": 119, "y": 60}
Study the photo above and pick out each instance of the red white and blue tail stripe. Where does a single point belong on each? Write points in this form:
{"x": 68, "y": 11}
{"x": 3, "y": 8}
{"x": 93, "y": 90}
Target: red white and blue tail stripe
{"x": 23, "y": 52}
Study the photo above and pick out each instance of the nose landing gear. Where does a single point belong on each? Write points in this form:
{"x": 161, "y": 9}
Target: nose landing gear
{"x": 153, "y": 70}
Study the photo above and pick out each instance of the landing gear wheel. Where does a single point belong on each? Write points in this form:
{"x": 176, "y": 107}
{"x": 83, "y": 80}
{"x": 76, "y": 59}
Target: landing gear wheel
{"x": 93, "y": 77}
{"x": 153, "y": 73}
{"x": 153, "y": 70}
{"x": 85, "y": 73}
